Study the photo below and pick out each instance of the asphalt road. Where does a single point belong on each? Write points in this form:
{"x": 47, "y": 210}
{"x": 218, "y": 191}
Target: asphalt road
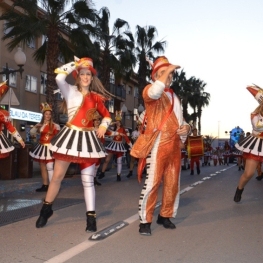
{"x": 211, "y": 227}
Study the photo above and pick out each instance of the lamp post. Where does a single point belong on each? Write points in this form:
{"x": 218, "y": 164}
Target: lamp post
{"x": 135, "y": 111}
{"x": 20, "y": 59}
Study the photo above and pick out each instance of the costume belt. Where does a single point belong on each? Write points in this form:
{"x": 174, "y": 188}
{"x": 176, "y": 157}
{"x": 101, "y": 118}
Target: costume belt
{"x": 73, "y": 127}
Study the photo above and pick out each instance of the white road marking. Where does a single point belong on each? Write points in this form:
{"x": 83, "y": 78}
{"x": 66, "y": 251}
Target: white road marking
{"x": 70, "y": 253}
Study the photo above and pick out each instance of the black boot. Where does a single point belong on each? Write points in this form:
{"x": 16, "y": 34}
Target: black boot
{"x": 91, "y": 221}
{"x": 129, "y": 174}
{"x": 118, "y": 177}
{"x": 96, "y": 182}
{"x": 165, "y": 221}
{"x": 192, "y": 172}
{"x": 238, "y": 194}
{"x": 45, "y": 213}
{"x": 101, "y": 175}
{"x": 198, "y": 170}
{"x": 259, "y": 177}
{"x": 43, "y": 188}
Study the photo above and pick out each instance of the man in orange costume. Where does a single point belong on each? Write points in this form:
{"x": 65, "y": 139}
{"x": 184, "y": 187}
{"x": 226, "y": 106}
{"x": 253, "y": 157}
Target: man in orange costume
{"x": 164, "y": 160}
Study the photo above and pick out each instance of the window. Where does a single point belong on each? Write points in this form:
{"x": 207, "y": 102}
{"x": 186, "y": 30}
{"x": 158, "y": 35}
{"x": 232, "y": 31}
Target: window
{"x": 111, "y": 106}
{"x": 128, "y": 89}
{"x": 31, "y": 83}
{"x": 12, "y": 78}
{"x": 31, "y": 43}
{"x": 136, "y": 92}
{"x": 61, "y": 58}
{"x": 128, "y": 115}
{"x": 43, "y": 83}
{"x": 112, "y": 78}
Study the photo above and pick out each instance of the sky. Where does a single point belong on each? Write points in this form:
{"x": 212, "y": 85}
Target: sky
{"x": 219, "y": 42}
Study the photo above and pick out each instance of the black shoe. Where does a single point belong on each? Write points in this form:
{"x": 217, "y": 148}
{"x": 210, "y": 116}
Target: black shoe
{"x": 129, "y": 174}
{"x": 259, "y": 177}
{"x": 45, "y": 213}
{"x": 165, "y": 221}
{"x": 192, "y": 172}
{"x": 91, "y": 222}
{"x": 198, "y": 170}
{"x": 101, "y": 175}
{"x": 43, "y": 188}
{"x": 145, "y": 229}
{"x": 96, "y": 182}
{"x": 118, "y": 177}
{"x": 238, "y": 194}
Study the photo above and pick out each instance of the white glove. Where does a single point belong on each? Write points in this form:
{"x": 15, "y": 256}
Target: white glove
{"x": 66, "y": 69}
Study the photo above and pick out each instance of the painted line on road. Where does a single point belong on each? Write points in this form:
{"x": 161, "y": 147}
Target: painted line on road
{"x": 106, "y": 232}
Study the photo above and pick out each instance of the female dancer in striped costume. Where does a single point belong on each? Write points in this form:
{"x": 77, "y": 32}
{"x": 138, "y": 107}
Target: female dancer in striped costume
{"x": 252, "y": 145}
{"x": 116, "y": 147}
{"x": 6, "y": 146}
{"x": 78, "y": 141}
{"x": 41, "y": 153}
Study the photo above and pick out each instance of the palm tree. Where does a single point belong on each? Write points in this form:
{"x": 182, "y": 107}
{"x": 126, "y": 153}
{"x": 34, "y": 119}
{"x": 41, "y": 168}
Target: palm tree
{"x": 116, "y": 47}
{"x": 183, "y": 88}
{"x": 203, "y": 101}
{"x": 146, "y": 47}
{"x": 58, "y": 22}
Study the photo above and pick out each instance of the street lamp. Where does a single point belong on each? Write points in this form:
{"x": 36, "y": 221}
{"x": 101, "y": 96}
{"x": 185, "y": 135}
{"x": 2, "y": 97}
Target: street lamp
{"x": 140, "y": 108}
{"x": 20, "y": 59}
{"x": 135, "y": 112}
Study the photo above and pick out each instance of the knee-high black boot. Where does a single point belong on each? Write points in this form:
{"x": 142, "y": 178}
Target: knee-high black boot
{"x": 238, "y": 194}
{"x": 91, "y": 221}
{"x": 45, "y": 213}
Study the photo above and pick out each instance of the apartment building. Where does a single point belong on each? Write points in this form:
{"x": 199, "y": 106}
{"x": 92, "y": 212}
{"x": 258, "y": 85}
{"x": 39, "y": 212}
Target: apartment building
{"x": 29, "y": 89}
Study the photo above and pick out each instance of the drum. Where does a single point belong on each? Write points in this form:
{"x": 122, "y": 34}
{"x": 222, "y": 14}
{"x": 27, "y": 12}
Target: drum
{"x": 195, "y": 146}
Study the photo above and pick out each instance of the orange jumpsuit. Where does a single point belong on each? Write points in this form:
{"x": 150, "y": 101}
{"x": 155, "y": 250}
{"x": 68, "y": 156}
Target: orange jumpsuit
{"x": 164, "y": 161}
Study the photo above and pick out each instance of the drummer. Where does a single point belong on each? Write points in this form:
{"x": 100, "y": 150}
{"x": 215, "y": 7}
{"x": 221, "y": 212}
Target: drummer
{"x": 195, "y": 159}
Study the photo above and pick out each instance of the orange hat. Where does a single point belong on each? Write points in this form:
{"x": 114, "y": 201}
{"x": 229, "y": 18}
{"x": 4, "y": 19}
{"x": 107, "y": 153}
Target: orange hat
{"x": 3, "y": 89}
{"x": 83, "y": 63}
{"x": 257, "y": 92}
{"x": 44, "y": 106}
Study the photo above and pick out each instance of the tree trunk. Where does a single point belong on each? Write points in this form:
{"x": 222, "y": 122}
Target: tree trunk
{"x": 52, "y": 64}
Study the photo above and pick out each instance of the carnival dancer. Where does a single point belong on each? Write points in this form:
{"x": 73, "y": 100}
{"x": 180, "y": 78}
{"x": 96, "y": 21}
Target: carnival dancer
{"x": 252, "y": 145}
{"x": 6, "y": 146}
{"x": 226, "y": 153}
{"x": 195, "y": 158}
{"x": 41, "y": 153}
{"x": 116, "y": 146}
{"x": 134, "y": 136}
{"x": 78, "y": 142}
{"x": 164, "y": 121}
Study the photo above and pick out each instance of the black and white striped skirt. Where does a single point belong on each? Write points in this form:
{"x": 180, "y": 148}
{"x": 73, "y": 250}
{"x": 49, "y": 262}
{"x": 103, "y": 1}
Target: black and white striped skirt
{"x": 41, "y": 153}
{"x": 251, "y": 144}
{"x": 77, "y": 143}
{"x": 116, "y": 147}
{"x": 6, "y": 145}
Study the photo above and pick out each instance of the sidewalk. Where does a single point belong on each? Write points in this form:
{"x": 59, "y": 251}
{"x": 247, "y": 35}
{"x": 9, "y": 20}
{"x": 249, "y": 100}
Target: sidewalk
{"x": 19, "y": 200}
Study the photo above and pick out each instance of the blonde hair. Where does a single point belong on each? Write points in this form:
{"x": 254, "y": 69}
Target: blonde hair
{"x": 95, "y": 86}
{"x": 50, "y": 125}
